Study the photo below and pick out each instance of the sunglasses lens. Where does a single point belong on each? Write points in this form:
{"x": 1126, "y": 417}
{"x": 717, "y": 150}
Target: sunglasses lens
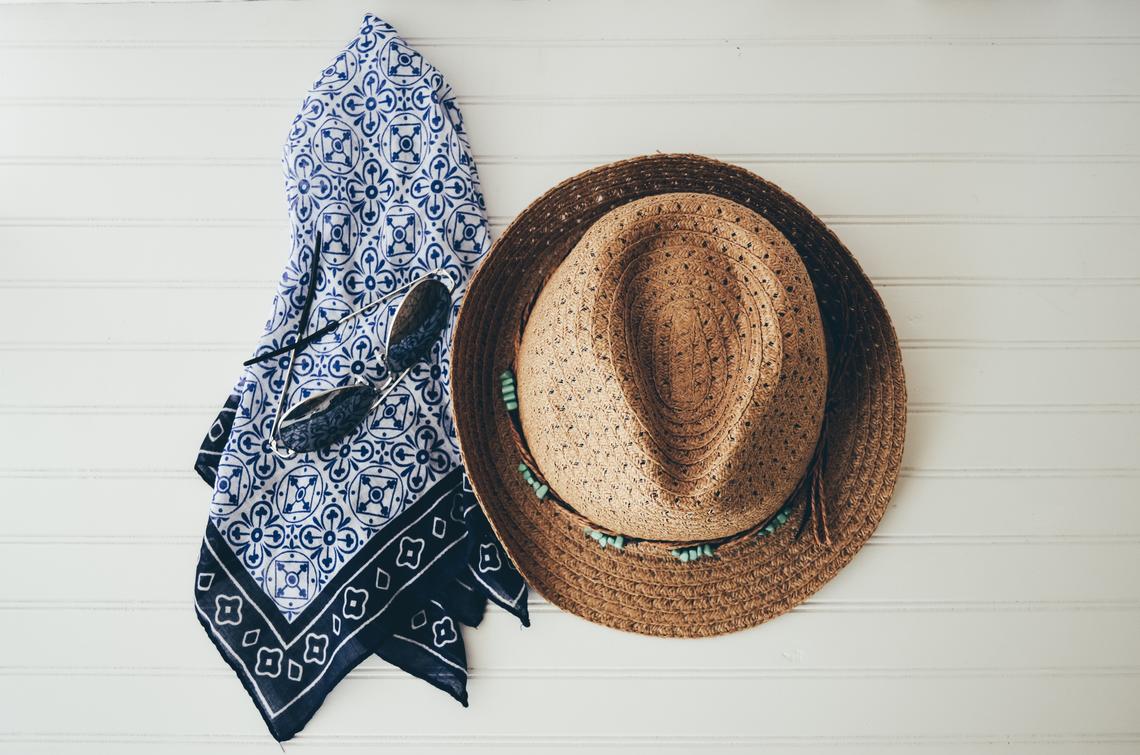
{"x": 321, "y": 420}
{"x": 417, "y": 324}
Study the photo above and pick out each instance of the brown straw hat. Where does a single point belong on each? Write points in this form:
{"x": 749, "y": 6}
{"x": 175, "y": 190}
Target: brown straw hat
{"x": 679, "y": 399}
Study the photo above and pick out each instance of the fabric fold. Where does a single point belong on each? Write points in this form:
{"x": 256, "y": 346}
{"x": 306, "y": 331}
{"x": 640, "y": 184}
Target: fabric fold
{"x": 376, "y": 544}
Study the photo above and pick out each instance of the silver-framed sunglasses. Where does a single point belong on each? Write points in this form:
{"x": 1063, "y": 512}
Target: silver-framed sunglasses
{"x": 327, "y": 417}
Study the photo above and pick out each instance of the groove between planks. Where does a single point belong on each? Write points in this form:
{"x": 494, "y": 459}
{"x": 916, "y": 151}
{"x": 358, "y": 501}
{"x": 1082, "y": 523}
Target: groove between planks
{"x": 498, "y": 222}
{"x": 166, "y": 410}
{"x": 616, "y": 672}
{"x": 907, "y": 344}
{"x": 826, "y": 158}
{"x": 232, "y": 284}
{"x": 617, "y": 100}
{"x": 150, "y": 541}
{"x": 581, "y": 741}
{"x": 540, "y": 606}
{"x": 539, "y": 42}
{"x": 78, "y": 473}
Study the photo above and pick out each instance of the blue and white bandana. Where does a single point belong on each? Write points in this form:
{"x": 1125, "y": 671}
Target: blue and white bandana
{"x": 375, "y": 545}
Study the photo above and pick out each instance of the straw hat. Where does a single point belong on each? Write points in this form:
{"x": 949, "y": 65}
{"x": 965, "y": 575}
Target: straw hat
{"x": 679, "y": 399}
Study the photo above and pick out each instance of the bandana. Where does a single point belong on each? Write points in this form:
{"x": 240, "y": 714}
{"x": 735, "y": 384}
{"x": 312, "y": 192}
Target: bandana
{"x": 375, "y": 544}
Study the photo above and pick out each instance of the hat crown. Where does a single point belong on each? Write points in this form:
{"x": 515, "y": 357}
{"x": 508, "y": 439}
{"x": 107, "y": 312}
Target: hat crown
{"x": 672, "y": 371}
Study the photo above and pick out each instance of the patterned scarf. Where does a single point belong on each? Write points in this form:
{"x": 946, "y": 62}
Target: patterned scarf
{"x": 376, "y": 544}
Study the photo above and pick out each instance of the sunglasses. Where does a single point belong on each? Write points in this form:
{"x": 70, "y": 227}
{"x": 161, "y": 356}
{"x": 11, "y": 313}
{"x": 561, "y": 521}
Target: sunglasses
{"x": 329, "y": 416}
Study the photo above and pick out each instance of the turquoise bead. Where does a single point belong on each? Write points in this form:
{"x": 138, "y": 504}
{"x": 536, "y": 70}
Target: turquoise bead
{"x": 619, "y": 542}
{"x": 707, "y": 549}
{"x": 506, "y": 374}
{"x": 512, "y": 405}
{"x": 684, "y": 557}
{"x": 523, "y": 467}
{"x": 541, "y": 491}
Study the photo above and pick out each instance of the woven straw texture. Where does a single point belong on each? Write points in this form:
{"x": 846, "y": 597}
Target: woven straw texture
{"x": 672, "y": 373}
{"x": 643, "y": 589}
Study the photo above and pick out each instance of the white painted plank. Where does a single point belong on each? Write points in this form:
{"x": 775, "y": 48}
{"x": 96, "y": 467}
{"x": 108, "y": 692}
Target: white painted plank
{"x": 196, "y": 381}
{"x": 628, "y": 744}
{"x": 932, "y": 573}
{"x": 228, "y": 193}
{"x": 488, "y": 70}
{"x": 619, "y": 127}
{"x": 936, "y": 442}
{"x": 709, "y": 709}
{"x": 513, "y": 21}
{"x": 982, "y": 314}
{"x": 801, "y": 642}
{"x": 114, "y": 509}
{"x": 58, "y": 257}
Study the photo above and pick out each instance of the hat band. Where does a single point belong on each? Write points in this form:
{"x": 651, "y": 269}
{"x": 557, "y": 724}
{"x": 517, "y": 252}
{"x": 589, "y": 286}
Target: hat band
{"x": 690, "y": 550}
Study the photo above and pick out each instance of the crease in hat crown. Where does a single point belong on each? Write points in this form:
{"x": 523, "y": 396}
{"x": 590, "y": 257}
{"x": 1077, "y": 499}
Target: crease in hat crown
{"x": 672, "y": 372}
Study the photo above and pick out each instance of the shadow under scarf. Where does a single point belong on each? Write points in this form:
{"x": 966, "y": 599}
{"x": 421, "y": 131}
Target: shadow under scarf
{"x": 376, "y": 544}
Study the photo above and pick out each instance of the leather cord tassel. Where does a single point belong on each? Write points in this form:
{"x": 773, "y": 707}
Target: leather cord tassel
{"x": 815, "y": 512}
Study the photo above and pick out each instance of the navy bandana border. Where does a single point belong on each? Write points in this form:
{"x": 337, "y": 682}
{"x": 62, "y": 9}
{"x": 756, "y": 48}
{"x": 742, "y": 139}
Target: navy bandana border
{"x": 289, "y": 667}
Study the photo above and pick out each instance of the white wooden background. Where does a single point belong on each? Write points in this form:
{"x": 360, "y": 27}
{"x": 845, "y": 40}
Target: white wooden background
{"x": 981, "y": 159}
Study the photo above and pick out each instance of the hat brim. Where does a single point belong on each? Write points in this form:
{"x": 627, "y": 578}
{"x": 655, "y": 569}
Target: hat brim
{"x": 644, "y": 589}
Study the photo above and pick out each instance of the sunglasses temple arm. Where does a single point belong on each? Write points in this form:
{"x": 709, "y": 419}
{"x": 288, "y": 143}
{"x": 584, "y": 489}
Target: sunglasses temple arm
{"x": 329, "y": 327}
{"x": 294, "y": 345}
{"x": 306, "y": 311}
